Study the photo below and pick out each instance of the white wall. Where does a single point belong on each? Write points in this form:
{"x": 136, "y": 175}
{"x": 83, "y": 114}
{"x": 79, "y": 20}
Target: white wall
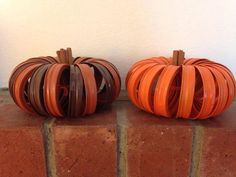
{"x": 121, "y": 31}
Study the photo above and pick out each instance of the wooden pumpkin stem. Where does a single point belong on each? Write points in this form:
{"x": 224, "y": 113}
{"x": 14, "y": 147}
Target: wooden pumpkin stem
{"x": 178, "y": 57}
{"x": 65, "y": 56}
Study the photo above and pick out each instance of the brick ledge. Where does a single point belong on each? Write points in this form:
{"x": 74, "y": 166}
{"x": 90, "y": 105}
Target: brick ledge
{"x": 121, "y": 141}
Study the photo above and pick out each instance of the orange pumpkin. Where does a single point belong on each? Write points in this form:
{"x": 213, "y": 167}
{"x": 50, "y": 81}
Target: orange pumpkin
{"x": 64, "y": 86}
{"x": 192, "y": 88}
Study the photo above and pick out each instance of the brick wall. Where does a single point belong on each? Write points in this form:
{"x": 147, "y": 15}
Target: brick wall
{"x": 121, "y": 141}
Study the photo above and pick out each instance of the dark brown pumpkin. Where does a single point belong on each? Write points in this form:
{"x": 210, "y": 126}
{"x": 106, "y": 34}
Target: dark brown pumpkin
{"x": 64, "y": 86}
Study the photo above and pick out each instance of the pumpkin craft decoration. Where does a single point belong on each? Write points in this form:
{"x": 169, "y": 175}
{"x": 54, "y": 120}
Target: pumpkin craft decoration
{"x": 64, "y": 86}
{"x": 194, "y": 88}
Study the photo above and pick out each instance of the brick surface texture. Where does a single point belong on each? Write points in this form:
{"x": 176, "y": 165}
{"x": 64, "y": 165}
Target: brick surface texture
{"x": 86, "y": 147}
{"x": 120, "y": 141}
{"x": 21, "y": 144}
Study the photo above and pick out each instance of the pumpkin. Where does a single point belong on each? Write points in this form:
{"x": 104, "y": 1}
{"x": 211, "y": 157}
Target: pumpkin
{"x": 194, "y": 88}
{"x": 64, "y": 86}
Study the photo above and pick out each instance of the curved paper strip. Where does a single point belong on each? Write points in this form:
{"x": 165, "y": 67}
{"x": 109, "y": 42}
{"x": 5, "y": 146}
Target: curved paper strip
{"x": 52, "y": 89}
{"x": 186, "y": 92}
{"x": 35, "y": 90}
{"x": 134, "y": 81}
{"x": 161, "y": 101}
{"x": 90, "y": 89}
{"x": 20, "y": 85}
{"x": 147, "y": 86}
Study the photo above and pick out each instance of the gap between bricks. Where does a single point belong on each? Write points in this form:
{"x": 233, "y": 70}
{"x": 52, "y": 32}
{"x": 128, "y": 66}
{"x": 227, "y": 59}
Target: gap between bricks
{"x": 122, "y": 165}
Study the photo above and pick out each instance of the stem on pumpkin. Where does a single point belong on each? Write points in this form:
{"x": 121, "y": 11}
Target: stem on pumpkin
{"x": 69, "y": 55}
{"x": 178, "y": 57}
{"x": 65, "y": 56}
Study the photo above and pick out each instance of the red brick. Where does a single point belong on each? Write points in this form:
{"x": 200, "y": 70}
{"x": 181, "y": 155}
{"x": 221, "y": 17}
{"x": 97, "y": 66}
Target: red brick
{"x": 86, "y": 147}
{"x": 219, "y": 146}
{"x": 150, "y": 146}
{"x": 156, "y": 146}
{"x": 21, "y": 147}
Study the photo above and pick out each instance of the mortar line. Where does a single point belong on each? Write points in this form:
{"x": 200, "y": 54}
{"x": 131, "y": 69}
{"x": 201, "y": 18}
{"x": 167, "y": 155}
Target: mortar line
{"x": 49, "y": 147}
{"x": 122, "y": 170}
{"x": 196, "y": 150}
